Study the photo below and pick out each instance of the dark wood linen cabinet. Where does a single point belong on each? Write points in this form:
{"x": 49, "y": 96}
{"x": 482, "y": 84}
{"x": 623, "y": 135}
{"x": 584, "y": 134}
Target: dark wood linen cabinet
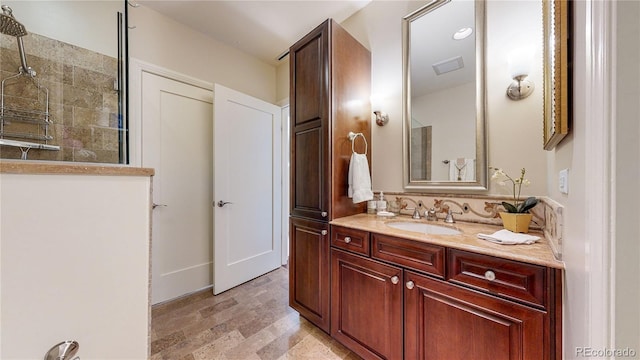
{"x": 330, "y": 87}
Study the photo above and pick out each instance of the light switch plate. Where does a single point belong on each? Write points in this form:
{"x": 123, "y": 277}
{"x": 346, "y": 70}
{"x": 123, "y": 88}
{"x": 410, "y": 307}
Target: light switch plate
{"x": 563, "y": 181}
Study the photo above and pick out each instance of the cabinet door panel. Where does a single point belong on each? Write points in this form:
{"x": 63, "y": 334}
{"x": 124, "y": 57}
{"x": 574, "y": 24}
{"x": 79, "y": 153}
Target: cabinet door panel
{"x": 309, "y": 270}
{"x": 310, "y": 195}
{"x": 444, "y": 321}
{"x": 309, "y": 71}
{"x": 366, "y": 306}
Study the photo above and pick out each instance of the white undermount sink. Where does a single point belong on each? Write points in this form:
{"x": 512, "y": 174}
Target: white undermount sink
{"x": 424, "y": 228}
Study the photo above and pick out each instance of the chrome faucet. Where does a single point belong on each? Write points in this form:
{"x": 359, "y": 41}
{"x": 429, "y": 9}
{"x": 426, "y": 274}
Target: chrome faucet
{"x": 430, "y": 215}
{"x": 416, "y": 212}
{"x": 416, "y": 209}
{"x": 449, "y": 219}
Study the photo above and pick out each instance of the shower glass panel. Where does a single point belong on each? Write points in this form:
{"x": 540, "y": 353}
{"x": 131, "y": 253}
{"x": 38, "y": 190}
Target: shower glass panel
{"x": 64, "y": 81}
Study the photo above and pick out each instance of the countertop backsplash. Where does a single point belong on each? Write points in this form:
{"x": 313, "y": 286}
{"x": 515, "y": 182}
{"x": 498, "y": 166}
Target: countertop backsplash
{"x": 547, "y": 214}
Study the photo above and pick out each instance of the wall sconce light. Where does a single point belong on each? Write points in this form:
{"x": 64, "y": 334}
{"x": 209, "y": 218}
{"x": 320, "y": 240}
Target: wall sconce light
{"x": 519, "y": 67}
{"x": 381, "y": 118}
{"x": 520, "y": 88}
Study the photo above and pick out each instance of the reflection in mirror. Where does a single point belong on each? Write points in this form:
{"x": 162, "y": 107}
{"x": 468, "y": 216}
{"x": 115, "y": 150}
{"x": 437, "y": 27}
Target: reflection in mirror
{"x": 63, "y": 81}
{"x": 444, "y": 131}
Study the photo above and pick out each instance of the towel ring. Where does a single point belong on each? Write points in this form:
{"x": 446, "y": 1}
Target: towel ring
{"x": 352, "y": 136}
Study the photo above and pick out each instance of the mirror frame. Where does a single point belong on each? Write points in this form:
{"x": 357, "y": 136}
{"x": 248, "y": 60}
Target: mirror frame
{"x": 556, "y": 25}
{"x": 481, "y": 137}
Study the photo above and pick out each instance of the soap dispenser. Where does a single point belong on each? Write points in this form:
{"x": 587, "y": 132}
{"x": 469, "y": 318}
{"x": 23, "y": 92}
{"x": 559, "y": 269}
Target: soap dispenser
{"x": 382, "y": 203}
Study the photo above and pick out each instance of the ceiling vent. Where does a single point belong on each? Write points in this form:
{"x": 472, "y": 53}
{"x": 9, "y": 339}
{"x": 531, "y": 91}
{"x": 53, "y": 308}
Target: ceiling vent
{"x": 448, "y": 65}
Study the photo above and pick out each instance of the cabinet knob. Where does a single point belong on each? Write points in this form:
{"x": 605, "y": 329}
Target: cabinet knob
{"x": 410, "y": 285}
{"x": 490, "y": 275}
{"x": 323, "y": 232}
{"x": 323, "y": 214}
{"x": 347, "y": 239}
{"x": 395, "y": 280}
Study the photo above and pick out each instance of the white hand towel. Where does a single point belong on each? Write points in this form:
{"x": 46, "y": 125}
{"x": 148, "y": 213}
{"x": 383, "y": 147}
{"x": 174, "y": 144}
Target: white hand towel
{"x": 507, "y": 237}
{"x": 465, "y": 168}
{"x": 359, "y": 179}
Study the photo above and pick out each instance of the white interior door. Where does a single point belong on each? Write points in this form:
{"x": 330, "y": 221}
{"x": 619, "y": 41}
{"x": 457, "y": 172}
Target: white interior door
{"x": 247, "y": 151}
{"x": 177, "y": 143}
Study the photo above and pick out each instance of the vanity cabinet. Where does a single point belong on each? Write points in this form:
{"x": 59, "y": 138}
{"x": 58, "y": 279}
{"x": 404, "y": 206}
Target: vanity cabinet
{"x": 309, "y": 270}
{"x": 366, "y": 305}
{"x": 409, "y": 299}
{"x": 445, "y": 321}
{"x": 330, "y": 87}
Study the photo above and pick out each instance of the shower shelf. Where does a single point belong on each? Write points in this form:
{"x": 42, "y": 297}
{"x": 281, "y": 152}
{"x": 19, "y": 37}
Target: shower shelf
{"x": 26, "y": 136}
{"x": 38, "y": 121}
{"x": 24, "y": 116}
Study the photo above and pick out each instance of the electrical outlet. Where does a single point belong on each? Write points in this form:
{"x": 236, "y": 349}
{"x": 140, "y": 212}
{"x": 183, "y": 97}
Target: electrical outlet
{"x": 563, "y": 181}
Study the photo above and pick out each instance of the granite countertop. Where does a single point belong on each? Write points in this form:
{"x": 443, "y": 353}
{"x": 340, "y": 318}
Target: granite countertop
{"x": 36, "y": 167}
{"x": 539, "y": 253}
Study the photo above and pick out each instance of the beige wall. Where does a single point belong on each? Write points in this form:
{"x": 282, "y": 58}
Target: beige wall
{"x": 586, "y": 267}
{"x": 61, "y": 20}
{"x": 161, "y": 41}
{"x": 514, "y": 128}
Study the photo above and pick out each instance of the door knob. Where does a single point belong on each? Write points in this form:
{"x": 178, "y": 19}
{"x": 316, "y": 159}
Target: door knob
{"x": 395, "y": 280}
{"x": 410, "y": 285}
{"x": 156, "y": 205}
{"x": 223, "y": 203}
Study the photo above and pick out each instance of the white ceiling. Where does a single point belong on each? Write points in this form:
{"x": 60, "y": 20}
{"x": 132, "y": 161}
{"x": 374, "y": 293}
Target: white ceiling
{"x": 262, "y": 28}
{"x": 438, "y": 45}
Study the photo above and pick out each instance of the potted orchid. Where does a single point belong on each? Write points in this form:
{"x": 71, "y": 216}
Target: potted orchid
{"x": 516, "y": 216}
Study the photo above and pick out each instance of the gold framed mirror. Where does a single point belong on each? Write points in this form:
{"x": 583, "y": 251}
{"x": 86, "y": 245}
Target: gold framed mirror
{"x": 557, "y": 74}
{"x": 444, "y": 136}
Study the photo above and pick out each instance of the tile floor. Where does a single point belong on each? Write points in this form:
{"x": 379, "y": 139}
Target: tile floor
{"x": 251, "y": 321}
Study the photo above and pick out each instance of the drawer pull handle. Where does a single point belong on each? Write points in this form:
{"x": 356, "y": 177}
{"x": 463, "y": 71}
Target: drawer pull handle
{"x": 395, "y": 280}
{"x": 323, "y": 232}
{"x": 323, "y": 214}
{"x": 410, "y": 285}
{"x": 347, "y": 239}
{"x": 490, "y": 275}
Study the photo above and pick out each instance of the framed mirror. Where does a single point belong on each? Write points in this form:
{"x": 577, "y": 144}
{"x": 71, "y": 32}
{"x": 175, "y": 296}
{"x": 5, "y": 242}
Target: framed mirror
{"x": 556, "y": 18}
{"x": 444, "y": 144}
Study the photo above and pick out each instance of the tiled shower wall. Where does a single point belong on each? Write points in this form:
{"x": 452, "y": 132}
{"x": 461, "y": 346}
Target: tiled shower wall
{"x": 82, "y": 100}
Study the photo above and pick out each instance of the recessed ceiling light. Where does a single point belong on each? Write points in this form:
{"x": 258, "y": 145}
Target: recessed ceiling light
{"x": 462, "y": 33}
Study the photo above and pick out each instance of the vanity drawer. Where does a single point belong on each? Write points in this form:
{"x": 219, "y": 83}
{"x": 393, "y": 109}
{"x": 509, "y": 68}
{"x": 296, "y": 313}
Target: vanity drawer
{"x": 350, "y": 239}
{"x": 411, "y": 254}
{"x": 505, "y": 278}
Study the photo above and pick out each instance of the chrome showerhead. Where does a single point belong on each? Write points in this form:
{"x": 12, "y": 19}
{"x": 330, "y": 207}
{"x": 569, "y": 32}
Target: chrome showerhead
{"x": 9, "y": 25}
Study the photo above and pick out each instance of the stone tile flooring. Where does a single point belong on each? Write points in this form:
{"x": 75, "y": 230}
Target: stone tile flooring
{"x": 251, "y": 321}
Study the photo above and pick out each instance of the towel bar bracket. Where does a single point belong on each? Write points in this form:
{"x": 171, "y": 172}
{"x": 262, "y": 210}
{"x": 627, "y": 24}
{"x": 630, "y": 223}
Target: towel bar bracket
{"x": 352, "y": 137}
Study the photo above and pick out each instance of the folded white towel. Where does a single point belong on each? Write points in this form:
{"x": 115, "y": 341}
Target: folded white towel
{"x": 507, "y": 237}
{"x": 464, "y": 169}
{"x": 359, "y": 179}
